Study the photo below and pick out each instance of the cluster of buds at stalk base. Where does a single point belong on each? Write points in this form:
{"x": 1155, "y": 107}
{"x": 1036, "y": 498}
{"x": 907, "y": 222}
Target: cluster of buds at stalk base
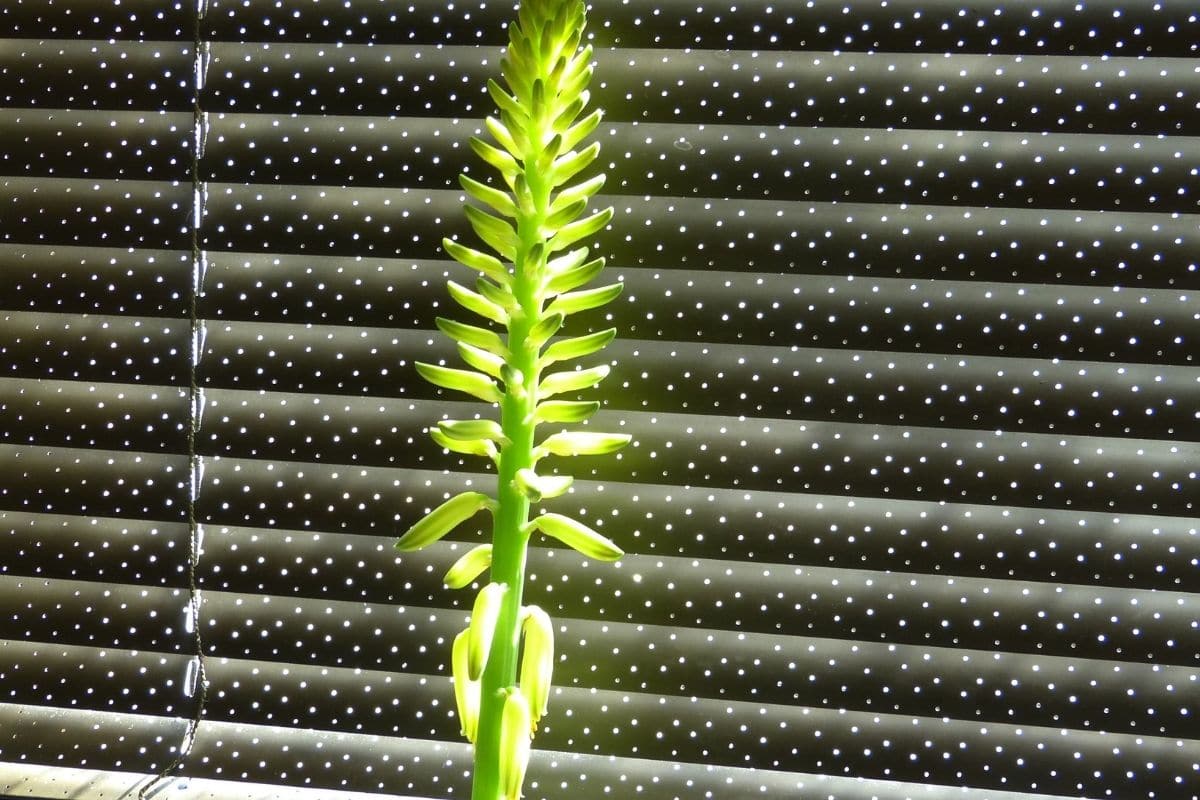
{"x": 522, "y": 705}
{"x": 531, "y": 217}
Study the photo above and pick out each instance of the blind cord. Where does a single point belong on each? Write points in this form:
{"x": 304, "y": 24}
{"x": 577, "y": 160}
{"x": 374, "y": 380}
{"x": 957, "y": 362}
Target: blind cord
{"x": 195, "y": 401}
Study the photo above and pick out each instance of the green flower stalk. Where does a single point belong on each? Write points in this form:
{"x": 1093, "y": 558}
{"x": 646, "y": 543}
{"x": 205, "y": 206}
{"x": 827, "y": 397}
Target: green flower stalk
{"x": 530, "y": 282}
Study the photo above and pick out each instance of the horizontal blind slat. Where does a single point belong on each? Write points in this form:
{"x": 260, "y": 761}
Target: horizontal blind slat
{"x": 1165, "y": 29}
{"x": 104, "y": 416}
{"x": 229, "y": 358}
{"x": 82, "y": 212}
{"x": 1018, "y": 321}
{"x": 85, "y": 347}
{"x": 791, "y": 163}
{"x": 94, "y": 614}
{"x": 912, "y": 242}
{"x": 271, "y": 754}
{"x": 79, "y": 481}
{"x": 82, "y": 19}
{"x": 805, "y": 310}
{"x": 106, "y": 740}
{"x": 91, "y": 678}
{"x": 133, "y": 551}
{"x": 66, "y": 783}
{"x": 728, "y": 87}
{"x": 1140, "y": 552}
{"x": 96, "y": 280}
{"x": 904, "y": 461}
{"x": 115, "y": 74}
{"x": 871, "y": 387}
{"x": 895, "y": 388}
{"x": 226, "y": 481}
{"x": 377, "y": 702}
{"x": 95, "y": 144}
{"x": 1134, "y": 547}
{"x": 905, "y": 608}
{"x": 934, "y": 241}
{"x": 560, "y": 771}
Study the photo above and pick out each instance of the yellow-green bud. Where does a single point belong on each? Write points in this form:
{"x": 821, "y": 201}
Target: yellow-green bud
{"x": 542, "y": 487}
{"x": 581, "y": 443}
{"x": 466, "y": 691}
{"x": 537, "y": 661}
{"x": 483, "y": 627}
{"x": 577, "y": 535}
{"x": 469, "y": 566}
{"x": 443, "y": 519}
{"x": 514, "y": 744}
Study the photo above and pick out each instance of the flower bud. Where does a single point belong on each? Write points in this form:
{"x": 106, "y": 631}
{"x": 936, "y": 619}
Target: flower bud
{"x": 443, "y": 519}
{"x": 577, "y": 535}
{"x": 537, "y": 661}
{"x": 514, "y": 744}
{"x": 469, "y": 567}
{"x": 483, "y": 627}
{"x": 466, "y": 691}
{"x": 542, "y": 487}
{"x": 582, "y": 443}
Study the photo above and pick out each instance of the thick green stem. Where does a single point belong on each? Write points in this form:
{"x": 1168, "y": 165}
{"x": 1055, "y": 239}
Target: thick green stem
{"x": 508, "y": 567}
{"x": 509, "y": 539}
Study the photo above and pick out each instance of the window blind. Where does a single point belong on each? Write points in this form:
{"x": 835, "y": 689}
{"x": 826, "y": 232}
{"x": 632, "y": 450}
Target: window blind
{"x": 907, "y": 348}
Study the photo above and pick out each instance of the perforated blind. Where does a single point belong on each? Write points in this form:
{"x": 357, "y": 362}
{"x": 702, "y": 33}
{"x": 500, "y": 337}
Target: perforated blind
{"x": 908, "y": 347}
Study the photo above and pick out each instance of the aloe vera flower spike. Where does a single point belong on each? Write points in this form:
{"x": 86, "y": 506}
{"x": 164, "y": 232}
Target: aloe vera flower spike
{"x": 532, "y": 220}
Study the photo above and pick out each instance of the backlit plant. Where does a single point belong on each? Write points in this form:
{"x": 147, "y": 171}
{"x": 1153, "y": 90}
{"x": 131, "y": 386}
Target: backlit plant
{"x": 503, "y": 662}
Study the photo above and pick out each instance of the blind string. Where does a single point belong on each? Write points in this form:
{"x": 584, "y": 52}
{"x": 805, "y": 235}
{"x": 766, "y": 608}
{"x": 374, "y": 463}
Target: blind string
{"x": 195, "y": 402}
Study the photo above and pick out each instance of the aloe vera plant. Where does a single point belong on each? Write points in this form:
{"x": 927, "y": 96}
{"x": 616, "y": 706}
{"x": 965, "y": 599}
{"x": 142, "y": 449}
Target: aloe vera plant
{"x": 530, "y": 283}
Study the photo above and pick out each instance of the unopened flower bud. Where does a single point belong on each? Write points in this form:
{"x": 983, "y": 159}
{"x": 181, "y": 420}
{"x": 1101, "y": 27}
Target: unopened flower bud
{"x": 514, "y": 744}
{"x": 483, "y": 627}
